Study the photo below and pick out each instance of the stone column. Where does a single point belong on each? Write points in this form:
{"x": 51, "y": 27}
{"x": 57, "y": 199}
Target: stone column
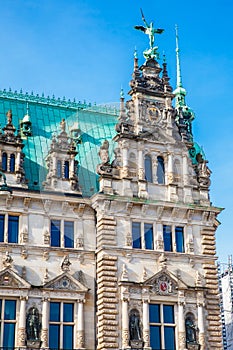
{"x": 181, "y": 321}
{"x": 145, "y": 322}
{"x": 21, "y": 338}
{"x": 141, "y": 171}
{"x": 200, "y": 320}
{"x": 170, "y": 176}
{"x": 45, "y": 323}
{"x": 125, "y": 169}
{"x": 80, "y": 325}
{"x": 125, "y": 324}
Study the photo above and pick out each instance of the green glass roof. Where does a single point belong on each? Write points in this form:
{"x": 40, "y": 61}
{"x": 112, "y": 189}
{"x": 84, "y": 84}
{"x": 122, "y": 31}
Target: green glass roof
{"x": 96, "y": 124}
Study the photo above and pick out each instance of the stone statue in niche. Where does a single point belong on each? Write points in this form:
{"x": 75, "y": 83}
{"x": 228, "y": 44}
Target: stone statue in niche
{"x": 33, "y": 324}
{"x": 134, "y": 325}
{"x": 191, "y": 333}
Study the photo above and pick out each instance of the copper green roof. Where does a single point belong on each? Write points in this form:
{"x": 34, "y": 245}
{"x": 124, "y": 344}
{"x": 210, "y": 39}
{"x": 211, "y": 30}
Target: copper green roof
{"x": 89, "y": 125}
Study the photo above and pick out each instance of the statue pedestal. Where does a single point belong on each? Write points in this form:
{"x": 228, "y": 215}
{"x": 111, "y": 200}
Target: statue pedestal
{"x": 136, "y": 344}
{"x": 33, "y": 344}
{"x": 193, "y": 346}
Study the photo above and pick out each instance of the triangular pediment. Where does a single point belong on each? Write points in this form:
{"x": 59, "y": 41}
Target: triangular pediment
{"x": 10, "y": 279}
{"x": 67, "y": 282}
{"x": 164, "y": 283}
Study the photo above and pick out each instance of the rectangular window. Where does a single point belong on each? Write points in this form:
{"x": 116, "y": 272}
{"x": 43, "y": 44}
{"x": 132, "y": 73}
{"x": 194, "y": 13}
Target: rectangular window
{"x": 69, "y": 234}
{"x": 2, "y": 227}
{"x": 148, "y": 236}
{"x": 167, "y": 238}
{"x": 136, "y": 235}
{"x": 162, "y": 326}
{"x": 62, "y": 231}
{"x": 61, "y": 325}
{"x": 179, "y": 236}
{"x": 13, "y": 229}
{"x": 8, "y": 322}
{"x": 55, "y": 233}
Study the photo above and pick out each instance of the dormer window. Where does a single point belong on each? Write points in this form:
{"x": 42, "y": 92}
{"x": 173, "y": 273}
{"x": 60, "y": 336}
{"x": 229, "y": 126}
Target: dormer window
{"x": 12, "y": 163}
{"x": 148, "y": 168}
{"x": 160, "y": 171}
{"x": 4, "y": 161}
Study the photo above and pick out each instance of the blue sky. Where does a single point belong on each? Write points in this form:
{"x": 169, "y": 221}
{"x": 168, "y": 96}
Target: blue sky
{"x": 84, "y": 49}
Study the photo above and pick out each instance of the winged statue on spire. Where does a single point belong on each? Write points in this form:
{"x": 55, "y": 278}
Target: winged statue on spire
{"x": 149, "y": 30}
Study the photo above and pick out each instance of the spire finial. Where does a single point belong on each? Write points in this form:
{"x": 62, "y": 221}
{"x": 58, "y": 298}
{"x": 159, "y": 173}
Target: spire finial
{"x": 135, "y": 52}
{"x": 179, "y": 92}
{"x": 122, "y": 93}
{"x": 27, "y": 109}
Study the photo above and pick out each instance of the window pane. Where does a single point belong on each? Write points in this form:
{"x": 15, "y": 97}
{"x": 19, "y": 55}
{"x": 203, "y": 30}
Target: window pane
{"x": 167, "y": 238}
{"x": 148, "y": 236}
{"x": 13, "y": 229}
{"x": 9, "y": 312}
{"x": 66, "y": 170}
{"x": 154, "y": 313}
{"x": 68, "y": 337}
{"x": 9, "y": 335}
{"x": 12, "y": 163}
{"x": 54, "y": 335}
{"x": 160, "y": 171}
{"x": 59, "y": 172}
{"x": 55, "y": 233}
{"x": 148, "y": 169}
{"x": 179, "y": 233}
{"x": 69, "y": 234}
{"x": 169, "y": 335}
{"x": 168, "y": 314}
{"x": 2, "y": 224}
{"x": 54, "y": 312}
{"x": 136, "y": 234}
{"x": 155, "y": 337}
{"x": 4, "y": 162}
{"x": 68, "y": 312}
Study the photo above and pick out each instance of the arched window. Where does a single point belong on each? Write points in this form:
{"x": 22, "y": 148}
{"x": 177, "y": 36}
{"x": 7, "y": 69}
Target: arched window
{"x": 66, "y": 169}
{"x": 12, "y": 163}
{"x": 148, "y": 168}
{"x": 59, "y": 172}
{"x": 4, "y": 161}
{"x": 160, "y": 171}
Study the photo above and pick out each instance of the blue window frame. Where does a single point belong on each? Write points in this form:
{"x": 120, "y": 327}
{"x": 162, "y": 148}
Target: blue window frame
{"x": 13, "y": 229}
{"x": 66, "y": 169}
{"x": 167, "y": 238}
{"x": 160, "y": 170}
{"x": 69, "y": 234}
{"x": 4, "y": 161}
{"x": 59, "y": 169}
{"x": 148, "y": 236}
{"x": 162, "y": 326}
{"x": 61, "y": 325}
{"x": 55, "y": 233}
{"x": 12, "y": 163}
{"x": 179, "y": 236}
{"x": 148, "y": 169}
{"x": 136, "y": 235}
{"x": 2, "y": 227}
{"x": 8, "y": 321}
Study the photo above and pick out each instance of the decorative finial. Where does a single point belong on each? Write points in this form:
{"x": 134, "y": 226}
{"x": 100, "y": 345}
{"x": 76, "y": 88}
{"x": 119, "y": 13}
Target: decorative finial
{"x": 65, "y": 264}
{"x": 135, "y": 53}
{"x": 122, "y": 93}
{"x": 149, "y": 30}
{"x": 9, "y": 116}
{"x": 63, "y": 125}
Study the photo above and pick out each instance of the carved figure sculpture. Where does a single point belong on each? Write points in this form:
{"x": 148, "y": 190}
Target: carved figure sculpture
{"x": 191, "y": 331}
{"x": 134, "y": 325}
{"x": 33, "y": 324}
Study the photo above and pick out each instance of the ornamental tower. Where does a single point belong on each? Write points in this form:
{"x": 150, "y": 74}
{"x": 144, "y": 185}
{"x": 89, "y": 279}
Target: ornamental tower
{"x": 157, "y": 282}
